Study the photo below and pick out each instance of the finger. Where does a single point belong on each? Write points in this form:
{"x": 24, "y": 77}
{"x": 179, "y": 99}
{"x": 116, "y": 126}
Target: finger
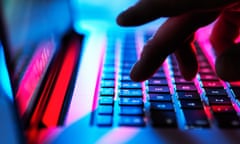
{"x": 142, "y": 12}
{"x": 225, "y": 31}
{"x": 168, "y": 37}
{"x": 223, "y": 37}
{"x": 187, "y": 60}
{"x": 147, "y": 10}
{"x": 227, "y": 65}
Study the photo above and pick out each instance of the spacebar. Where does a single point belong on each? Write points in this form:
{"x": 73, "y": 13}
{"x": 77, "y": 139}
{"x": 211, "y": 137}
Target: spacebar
{"x": 55, "y": 104}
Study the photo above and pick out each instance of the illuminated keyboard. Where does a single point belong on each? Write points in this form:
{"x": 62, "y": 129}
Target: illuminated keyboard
{"x": 166, "y": 99}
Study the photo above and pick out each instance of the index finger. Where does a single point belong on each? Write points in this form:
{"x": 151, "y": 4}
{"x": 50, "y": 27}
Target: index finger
{"x": 167, "y": 39}
{"x": 147, "y": 10}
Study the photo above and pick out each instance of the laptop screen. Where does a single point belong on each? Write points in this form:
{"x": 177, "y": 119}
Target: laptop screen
{"x": 32, "y": 31}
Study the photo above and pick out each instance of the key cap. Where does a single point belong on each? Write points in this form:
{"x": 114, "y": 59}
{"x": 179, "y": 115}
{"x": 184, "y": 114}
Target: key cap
{"x": 215, "y": 92}
{"x": 160, "y": 97}
{"x": 157, "y": 82}
{"x": 188, "y": 95}
{"x": 195, "y": 118}
{"x": 108, "y": 76}
{"x": 227, "y": 120}
{"x": 107, "y": 83}
{"x": 159, "y": 76}
{"x": 105, "y": 109}
{"x": 158, "y": 89}
{"x": 211, "y": 77}
{"x": 131, "y": 110}
{"x": 130, "y": 93}
{"x": 124, "y": 71}
{"x": 130, "y": 85}
{"x": 161, "y": 106}
{"x": 106, "y": 100}
{"x": 219, "y": 100}
{"x": 206, "y": 71}
{"x": 188, "y": 87}
{"x": 125, "y": 77}
{"x": 107, "y": 91}
{"x": 131, "y": 101}
{"x": 163, "y": 119}
{"x": 212, "y": 84}
{"x": 131, "y": 121}
{"x": 179, "y": 80}
{"x": 109, "y": 70}
{"x": 191, "y": 104}
{"x": 104, "y": 120}
{"x": 223, "y": 109}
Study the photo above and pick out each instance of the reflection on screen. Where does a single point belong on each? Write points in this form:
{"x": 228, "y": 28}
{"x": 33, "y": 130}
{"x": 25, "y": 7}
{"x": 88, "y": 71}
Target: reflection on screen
{"x": 34, "y": 73}
{"x": 5, "y": 84}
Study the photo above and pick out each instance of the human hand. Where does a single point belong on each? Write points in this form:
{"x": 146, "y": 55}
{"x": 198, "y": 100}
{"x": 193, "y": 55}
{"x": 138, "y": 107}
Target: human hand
{"x": 177, "y": 33}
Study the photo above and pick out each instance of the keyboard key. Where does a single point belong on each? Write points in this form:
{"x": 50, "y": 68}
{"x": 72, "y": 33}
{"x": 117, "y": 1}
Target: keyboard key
{"x": 107, "y": 91}
{"x": 212, "y": 84}
{"x": 223, "y": 109}
{"x": 104, "y": 120}
{"x": 109, "y": 70}
{"x": 131, "y": 121}
{"x": 157, "y": 82}
{"x": 160, "y": 97}
{"x": 163, "y": 119}
{"x": 106, "y": 100}
{"x": 227, "y": 120}
{"x": 107, "y": 83}
{"x": 130, "y": 93}
{"x": 131, "y": 110}
{"x": 195, "y": 118}
{"x": 130, "y": 85}
{"x": 219, "y": 100}
{"x": 179, "y": 80}
{"x": 125, "y": 77}
{"x": 161, "y": 106}
{"x": 207, "y": 77}
{"x": 206, "y": 71}
{"x": 105, "y": 109}
{"x": 158, "y": 89}
{"x": 215, "y": 92}
{"x": 131, "y": 101}
{"x": 188, "y": 95}
{"x": 186, "y": 87}
{"x": 191, "y": 104}
{"x": 159, "y": 76}
{"x": 108, "y": 76}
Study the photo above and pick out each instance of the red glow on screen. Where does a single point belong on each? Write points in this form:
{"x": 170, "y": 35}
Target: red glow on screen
{"x": 33, "y": 74}
{"x": 54, "y": 108}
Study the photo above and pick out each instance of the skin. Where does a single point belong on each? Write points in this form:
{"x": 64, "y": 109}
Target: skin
{"x": 177, "y": 33}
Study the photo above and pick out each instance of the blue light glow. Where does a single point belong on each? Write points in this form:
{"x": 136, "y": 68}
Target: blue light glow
{"x": 101, "y": 10}
{"x": 5, "y": 84}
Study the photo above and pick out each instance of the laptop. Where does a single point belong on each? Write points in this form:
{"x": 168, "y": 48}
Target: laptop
{"x": 68, "y": 66}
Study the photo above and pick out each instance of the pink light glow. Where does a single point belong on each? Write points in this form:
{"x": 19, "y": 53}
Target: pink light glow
{"x": 139, "y": 47}
{"x": 82, "y": 103}
{"x": 97, "y": 87}
{"x": 33, "y": 74}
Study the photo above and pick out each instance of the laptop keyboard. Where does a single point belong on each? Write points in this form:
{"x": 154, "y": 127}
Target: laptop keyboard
{"x": 166, "y": 99}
